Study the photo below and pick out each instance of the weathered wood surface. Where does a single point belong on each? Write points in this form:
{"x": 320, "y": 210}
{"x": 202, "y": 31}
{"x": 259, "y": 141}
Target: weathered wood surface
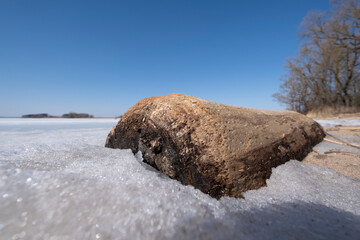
{"x": 221, "y": 150}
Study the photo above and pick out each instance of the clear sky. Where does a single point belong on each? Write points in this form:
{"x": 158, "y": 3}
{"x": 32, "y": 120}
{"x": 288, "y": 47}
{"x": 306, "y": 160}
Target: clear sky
{"x": 101, "y": 57}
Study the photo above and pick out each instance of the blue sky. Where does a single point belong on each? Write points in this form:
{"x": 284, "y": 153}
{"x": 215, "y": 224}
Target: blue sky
{"x": 101, "y": 57}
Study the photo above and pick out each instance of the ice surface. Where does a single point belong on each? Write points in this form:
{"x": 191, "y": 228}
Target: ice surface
{"x": 328, "y": 147}
{"x": 343, "y": 121}
{"x": 63, "y": 184}
{"x": 24, "y": 124}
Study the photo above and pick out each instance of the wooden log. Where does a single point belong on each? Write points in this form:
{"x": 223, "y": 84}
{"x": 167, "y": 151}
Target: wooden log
{"x": 221, "y": 150}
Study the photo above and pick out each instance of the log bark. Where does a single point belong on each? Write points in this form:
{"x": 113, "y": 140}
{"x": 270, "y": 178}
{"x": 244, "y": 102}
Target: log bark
{"x": 221, "y": 150}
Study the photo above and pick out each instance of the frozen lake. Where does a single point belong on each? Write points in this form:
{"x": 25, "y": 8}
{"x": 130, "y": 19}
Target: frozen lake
{"x": 58, "y": 181}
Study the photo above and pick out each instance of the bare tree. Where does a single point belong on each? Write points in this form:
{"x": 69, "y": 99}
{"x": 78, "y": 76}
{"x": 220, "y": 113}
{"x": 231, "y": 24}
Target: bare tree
{"x": 326, "y": 72}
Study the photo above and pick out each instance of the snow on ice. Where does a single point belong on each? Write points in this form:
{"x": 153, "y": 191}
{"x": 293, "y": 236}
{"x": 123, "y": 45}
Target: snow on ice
{"x": 58, "y": 181}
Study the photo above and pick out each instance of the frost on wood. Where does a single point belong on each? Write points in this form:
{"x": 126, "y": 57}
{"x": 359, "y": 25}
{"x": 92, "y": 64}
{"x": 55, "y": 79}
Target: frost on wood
{"x": 221, "y": 150}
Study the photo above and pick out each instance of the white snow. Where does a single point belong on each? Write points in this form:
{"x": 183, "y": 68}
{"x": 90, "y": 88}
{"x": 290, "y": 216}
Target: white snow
{"x": 61, "y": 182}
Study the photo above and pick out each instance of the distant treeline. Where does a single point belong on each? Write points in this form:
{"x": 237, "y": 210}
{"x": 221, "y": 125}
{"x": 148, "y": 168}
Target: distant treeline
{"x": 67, "y": 115}
{"x": 326, "y": 72}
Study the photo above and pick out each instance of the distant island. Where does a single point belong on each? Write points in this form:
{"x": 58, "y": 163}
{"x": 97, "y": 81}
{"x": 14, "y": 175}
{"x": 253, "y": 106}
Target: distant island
{"x": 77, "y": 115}
{"x": 39, "y": 115}
{"x": 67, "y": 115}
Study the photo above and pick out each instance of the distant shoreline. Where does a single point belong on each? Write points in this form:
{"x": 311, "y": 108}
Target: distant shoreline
{"x": 62, "y": 118}
{"x": 66, "y": 115}
{"x": 70, "y": 115}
